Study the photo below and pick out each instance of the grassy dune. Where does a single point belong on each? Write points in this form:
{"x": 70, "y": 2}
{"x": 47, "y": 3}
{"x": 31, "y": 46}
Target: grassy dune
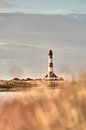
{"x": 42, "y": 108}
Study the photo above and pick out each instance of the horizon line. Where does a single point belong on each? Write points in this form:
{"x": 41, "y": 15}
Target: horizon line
{"x": 38, "y": 13}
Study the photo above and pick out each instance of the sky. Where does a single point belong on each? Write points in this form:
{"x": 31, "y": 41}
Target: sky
{"x": 44, "y": 6}
{"x": 25, "y": 39}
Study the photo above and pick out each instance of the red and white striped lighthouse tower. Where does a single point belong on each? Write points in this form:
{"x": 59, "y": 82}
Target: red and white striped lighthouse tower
{"x": 50, "y": 74}
{"x": 50, "y": 64}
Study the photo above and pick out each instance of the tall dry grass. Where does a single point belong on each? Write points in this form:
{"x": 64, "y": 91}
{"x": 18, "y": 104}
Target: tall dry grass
{"x": 42, "y": 108}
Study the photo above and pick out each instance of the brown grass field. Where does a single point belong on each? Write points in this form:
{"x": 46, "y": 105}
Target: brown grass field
{"x": 45, "y": 108}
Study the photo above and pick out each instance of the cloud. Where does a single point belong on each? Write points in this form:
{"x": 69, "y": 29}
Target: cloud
{"x": 4, "y": 4}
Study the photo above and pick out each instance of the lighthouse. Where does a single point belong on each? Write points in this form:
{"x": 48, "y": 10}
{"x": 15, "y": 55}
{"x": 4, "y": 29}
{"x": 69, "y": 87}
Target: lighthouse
{"x": 50, "y": 64}
{"x": 50, "y": 74}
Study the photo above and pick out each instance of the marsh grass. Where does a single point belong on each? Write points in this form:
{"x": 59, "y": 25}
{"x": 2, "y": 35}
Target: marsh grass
{"x": 44, "y": 108}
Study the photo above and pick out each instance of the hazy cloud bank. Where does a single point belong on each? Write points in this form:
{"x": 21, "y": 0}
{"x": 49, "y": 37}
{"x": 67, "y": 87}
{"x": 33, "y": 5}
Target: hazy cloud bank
{"x": 4, "y": 4}
{"x": 25, "y": 40}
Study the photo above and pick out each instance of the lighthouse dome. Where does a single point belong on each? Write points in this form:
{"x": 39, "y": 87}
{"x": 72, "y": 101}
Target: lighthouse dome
{"x": 50, "y": 52}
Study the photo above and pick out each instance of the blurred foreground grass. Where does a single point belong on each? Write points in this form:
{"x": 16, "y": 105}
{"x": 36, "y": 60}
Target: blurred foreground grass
{"x": 42, "y": 108}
